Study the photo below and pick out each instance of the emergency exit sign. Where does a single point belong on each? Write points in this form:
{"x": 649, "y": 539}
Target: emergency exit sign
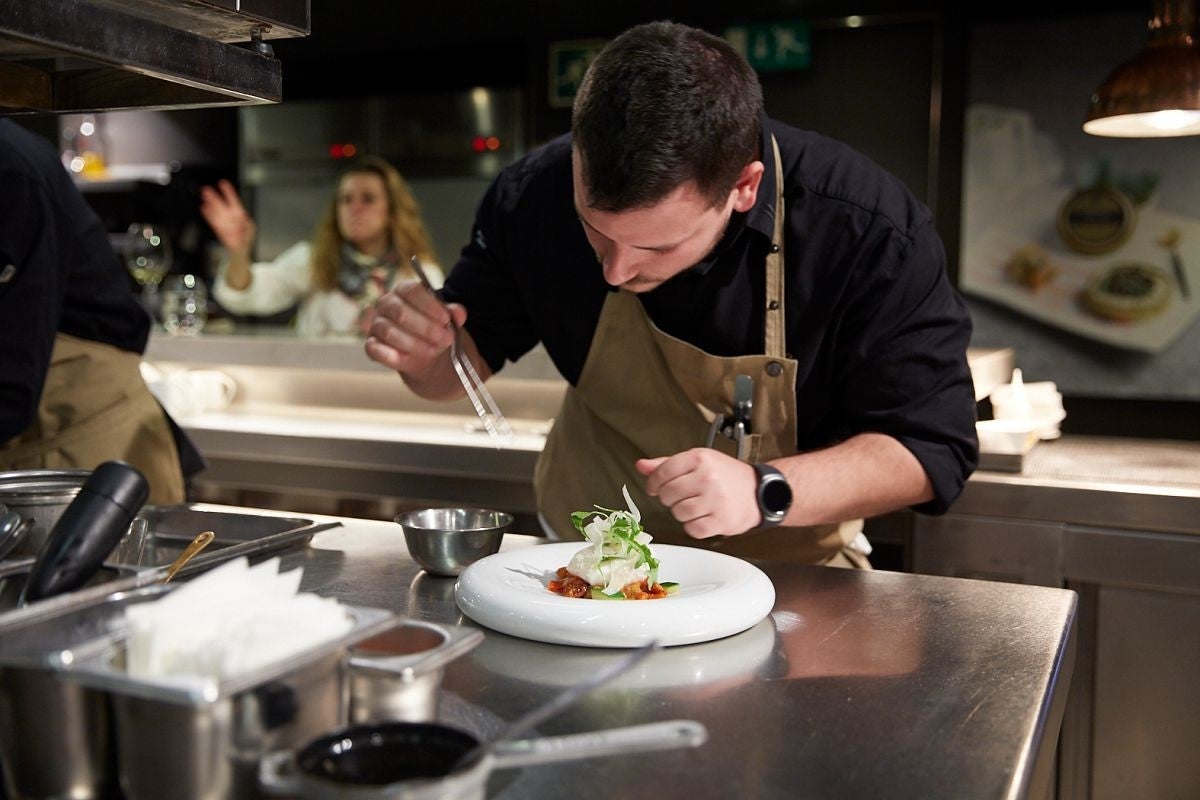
{"x": 569, "y": 61}
{"x": 773, "y": 46}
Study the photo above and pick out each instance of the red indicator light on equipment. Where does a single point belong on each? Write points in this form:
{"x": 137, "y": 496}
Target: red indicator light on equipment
{"x": 336, "y": 151}
{"x": 478, "y": 144}
{"x": 493, "y": 143}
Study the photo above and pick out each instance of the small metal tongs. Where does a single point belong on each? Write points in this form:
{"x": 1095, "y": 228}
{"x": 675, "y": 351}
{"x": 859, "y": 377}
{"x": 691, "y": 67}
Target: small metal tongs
{"x": 481, "y": 399}
{"x": 737, "y": 425}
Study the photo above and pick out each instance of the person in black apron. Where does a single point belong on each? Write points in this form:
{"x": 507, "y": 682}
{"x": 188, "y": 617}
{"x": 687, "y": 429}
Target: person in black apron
{"x": 72, "y": 334}
{"x": 676, "y": 241}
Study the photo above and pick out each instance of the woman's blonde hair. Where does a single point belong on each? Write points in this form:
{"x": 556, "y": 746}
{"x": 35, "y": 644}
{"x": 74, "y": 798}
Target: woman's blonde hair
{"x": 408, "y": 236}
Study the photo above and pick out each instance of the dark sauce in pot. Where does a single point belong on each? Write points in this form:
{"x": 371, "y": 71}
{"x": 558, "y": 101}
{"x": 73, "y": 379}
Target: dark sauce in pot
{"x": 376, "y": 755}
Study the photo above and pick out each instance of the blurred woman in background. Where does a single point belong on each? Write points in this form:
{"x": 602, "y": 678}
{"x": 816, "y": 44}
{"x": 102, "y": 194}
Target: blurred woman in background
{"x": 360, "y": 249}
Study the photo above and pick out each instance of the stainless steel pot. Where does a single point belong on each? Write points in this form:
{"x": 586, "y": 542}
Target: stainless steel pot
{"x": 410, "y": 761}
{"x": 41, "y": 496}
{"x": 395, "y": 676}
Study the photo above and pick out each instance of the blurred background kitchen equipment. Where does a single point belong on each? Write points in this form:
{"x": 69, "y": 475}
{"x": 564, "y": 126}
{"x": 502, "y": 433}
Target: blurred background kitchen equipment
{"x": 1040, "y": 404}
{"x": 445, "y": 541}
{"x": 147, "y": 254}
{"x": 40, "y": 496}
{"x": 88, "y": 530}
{"x": 12, "y": 527}
{"x": 395, "y": 676}
{"x": 184, "y": 305}
{"x": 412, "y": 761}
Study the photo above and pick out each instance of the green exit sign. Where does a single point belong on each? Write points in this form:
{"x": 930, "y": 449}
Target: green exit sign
{"x": 569, "y": 61}
{"x": 773, "y": 46}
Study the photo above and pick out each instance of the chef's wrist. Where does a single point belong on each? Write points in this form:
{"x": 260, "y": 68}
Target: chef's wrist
{"x": 773, "y": 495}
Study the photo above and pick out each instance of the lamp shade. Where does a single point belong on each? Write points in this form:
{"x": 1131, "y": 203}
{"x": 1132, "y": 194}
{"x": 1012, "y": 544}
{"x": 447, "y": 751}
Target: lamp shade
{"x": 1157, "y": 92}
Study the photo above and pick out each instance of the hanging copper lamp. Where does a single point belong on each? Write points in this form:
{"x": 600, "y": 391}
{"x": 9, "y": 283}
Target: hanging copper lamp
{"x": 1157, "y": 92}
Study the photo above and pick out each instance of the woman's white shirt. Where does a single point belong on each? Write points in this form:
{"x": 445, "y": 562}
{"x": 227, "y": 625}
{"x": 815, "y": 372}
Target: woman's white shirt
{"x": 277, "y": 285}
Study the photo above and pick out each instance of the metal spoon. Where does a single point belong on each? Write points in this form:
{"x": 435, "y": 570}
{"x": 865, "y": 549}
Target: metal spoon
{"x": 555, "y": 705}
{"x": 201, "y": 541}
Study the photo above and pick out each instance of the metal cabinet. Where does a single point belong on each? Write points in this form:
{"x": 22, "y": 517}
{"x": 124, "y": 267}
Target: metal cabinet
{"x": 989, "y": 548}
{"x": 1132, "y": 723}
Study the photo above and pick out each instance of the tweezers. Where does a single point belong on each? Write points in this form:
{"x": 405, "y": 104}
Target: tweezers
{"x": 481, "y": 399}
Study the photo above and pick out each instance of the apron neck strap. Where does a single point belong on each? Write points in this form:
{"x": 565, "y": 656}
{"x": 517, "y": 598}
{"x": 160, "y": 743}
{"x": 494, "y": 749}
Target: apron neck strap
{"x": 773, "y": 334}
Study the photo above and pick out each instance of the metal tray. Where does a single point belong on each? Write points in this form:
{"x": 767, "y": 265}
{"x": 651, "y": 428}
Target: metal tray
{"x": 171, "y": 528}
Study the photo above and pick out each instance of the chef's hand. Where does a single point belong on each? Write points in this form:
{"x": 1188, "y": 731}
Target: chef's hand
{"x": 228, "y": 218}
{"x": 410, "y": 331}
{"x": 711, "y": 493}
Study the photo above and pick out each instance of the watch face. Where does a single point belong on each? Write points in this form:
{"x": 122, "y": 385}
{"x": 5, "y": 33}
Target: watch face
{"x": 776, "y": 496}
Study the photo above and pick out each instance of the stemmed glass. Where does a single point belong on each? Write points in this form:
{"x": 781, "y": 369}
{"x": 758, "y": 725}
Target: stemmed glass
{"x": 147, "y": 255}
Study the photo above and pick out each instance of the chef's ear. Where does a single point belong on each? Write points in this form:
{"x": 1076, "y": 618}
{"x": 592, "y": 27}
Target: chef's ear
{"x": 745, "y": 191}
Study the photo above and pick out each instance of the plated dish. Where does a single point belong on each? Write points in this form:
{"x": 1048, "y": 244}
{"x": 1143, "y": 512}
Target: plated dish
{"x": 719, "y": 596}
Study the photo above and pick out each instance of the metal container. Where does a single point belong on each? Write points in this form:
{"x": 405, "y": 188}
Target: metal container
{"x": 203, "y": 741}
{"x": 55, "y": 737}
{"x": 395, "y": 676}
{"x": 210, "y": 750}
{"x": 445, "y": 541}
{"x": 40, "y": 495}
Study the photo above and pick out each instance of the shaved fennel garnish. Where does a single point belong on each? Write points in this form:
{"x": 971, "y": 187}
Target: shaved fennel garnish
{"x": 618, "y": 551}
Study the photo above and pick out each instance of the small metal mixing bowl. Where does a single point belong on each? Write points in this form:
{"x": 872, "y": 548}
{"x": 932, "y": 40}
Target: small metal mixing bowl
{"x": 445, "y": 541}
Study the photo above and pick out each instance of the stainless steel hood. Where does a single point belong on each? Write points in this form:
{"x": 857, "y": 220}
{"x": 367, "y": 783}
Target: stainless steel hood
{"x": 61, "y": 56}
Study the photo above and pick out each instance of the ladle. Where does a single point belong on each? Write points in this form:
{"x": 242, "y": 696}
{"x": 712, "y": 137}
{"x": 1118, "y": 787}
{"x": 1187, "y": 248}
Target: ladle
{"x": 556, "y": 704}
{"x": 201, "y": 541}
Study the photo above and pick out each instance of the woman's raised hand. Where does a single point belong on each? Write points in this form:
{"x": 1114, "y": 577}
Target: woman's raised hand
{"x": 226, "y": 215}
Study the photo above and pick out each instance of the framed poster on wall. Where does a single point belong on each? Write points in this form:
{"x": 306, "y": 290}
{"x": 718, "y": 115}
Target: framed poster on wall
{"x": 1081, "y": 252}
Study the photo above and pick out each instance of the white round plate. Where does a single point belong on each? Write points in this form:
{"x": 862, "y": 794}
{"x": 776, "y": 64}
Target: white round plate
{"x": 718, "y": 596}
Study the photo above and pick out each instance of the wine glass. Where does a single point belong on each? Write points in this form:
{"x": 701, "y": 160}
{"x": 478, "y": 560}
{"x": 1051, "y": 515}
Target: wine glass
{"x": 184, "y": 305}
{"x": 147, "y": 255}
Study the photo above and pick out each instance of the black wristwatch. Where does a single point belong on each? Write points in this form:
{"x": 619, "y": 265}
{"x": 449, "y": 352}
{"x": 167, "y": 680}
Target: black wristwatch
{"x": 774, "y": 495}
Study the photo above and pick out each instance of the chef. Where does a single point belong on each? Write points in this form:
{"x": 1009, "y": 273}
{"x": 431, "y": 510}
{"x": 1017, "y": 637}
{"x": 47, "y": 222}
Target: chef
{"x": 71, "y": 333}
{"x": 677, "y": 240}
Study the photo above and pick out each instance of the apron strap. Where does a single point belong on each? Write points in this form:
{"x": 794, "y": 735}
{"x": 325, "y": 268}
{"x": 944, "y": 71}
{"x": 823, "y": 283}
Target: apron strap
{"x": 773, "y": 334}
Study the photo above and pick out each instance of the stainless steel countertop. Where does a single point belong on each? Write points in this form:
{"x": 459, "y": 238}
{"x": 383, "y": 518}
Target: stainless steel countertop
{"x": 1105, "y": 481}
{"x": 858, "y": 684}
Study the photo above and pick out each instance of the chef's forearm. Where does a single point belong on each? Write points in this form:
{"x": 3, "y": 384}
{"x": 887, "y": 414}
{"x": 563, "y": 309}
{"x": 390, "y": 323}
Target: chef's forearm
{"x": 864, "y": 476}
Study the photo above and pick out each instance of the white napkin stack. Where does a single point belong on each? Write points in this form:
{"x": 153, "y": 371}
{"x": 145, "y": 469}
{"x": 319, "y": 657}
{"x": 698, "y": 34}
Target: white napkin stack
{"x": 1039, "y": 404}
{"x": 228, "y": 622}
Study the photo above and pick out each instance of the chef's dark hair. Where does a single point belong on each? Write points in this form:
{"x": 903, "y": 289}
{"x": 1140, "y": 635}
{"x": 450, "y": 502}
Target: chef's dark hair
{"x": 664, "y": 104}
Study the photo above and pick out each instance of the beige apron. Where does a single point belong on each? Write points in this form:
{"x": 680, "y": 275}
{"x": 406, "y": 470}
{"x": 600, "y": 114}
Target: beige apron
{"x": 643, "y": 393}
{"x": 95, "y": 407}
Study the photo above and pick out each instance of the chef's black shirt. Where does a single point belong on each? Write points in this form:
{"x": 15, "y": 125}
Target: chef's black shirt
{"x": 879, "y": 332}
{"x": 57, "y": 273}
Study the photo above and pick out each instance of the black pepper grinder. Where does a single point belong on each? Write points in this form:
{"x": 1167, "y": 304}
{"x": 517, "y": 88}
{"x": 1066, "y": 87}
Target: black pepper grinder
{"x": 88, "y": 530}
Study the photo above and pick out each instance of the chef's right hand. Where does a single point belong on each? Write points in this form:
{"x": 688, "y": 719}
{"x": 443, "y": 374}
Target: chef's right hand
{"x": 410, "y": 331}
{"x": 228, "y": 218}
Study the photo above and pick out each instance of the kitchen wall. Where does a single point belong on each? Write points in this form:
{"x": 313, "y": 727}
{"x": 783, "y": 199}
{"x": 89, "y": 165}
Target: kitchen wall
{"x": 898, "y": 91}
